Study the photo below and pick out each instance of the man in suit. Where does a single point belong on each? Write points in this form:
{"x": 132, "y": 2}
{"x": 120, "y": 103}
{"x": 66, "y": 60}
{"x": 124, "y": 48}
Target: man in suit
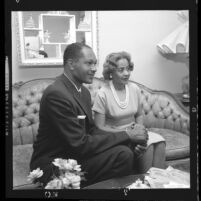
{"x": 63, "y": 134}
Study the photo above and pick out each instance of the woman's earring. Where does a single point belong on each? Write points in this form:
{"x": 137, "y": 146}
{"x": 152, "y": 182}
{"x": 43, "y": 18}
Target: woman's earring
{"x": 110, "y": 76}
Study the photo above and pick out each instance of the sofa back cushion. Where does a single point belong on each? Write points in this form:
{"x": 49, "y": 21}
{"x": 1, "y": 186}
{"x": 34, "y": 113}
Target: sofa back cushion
{"x": 160, "y": 109}
{"x": 26, "y": 104}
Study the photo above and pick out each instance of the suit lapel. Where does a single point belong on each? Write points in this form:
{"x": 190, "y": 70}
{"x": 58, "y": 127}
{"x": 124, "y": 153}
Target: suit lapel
{"x": 79, "y": 98}
{"x": 85, "y": 102}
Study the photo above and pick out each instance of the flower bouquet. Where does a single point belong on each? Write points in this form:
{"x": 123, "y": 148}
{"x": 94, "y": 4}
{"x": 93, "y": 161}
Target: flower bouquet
{"x": 69, "y": 175}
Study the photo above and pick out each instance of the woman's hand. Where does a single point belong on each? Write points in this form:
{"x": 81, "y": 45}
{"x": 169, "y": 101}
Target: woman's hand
{"x": 138, "y": 134}
{"x": 140, "y": 150}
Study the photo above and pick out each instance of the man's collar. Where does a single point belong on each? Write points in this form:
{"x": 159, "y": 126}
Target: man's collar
{"x": 78, "y": 90}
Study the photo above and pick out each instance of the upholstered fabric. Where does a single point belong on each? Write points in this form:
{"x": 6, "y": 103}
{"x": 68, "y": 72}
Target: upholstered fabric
{"x": 177, "y": 144}
{"x": 21, "y": 159}
{"x": 160, "y": 111}
{"x": 162, "y": 114}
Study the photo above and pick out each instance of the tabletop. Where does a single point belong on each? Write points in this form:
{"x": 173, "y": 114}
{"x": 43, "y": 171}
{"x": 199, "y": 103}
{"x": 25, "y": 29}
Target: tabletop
{"x": 116, "y": 183}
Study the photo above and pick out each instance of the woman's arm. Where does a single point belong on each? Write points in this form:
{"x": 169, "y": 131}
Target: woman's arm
{"x": 99, "y": 120}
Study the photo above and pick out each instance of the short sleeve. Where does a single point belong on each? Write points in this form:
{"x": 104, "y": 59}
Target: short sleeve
{"x": 99, "y": 105}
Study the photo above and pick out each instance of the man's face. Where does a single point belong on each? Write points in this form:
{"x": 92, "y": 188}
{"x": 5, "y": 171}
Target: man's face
{"x": 85, "y": 66}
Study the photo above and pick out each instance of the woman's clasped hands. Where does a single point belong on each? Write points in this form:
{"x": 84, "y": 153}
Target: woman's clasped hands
{"x": 139, "y": 137}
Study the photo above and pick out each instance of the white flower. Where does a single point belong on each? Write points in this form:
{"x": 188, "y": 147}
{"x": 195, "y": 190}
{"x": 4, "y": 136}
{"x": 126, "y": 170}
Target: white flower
{"x": 68, "y": 166}
{"x": 76, "y": 185}
{"x": 58, "y": 162}
{"x": 54, "y": 184}
{"x": 74, "y": 164}
{"x": 69, "y": 175}
{"x": 65, "y": 181}
{"x": 77, "y": 168}
{"x": 35, "y": 174}
{"x": 72, "y": 177}
{"x": 62, "y": 164}
{"x": 76, "y": 179}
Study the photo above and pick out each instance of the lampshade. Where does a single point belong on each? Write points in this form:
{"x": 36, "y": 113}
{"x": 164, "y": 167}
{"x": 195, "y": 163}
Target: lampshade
{"x": 178, "y": 40}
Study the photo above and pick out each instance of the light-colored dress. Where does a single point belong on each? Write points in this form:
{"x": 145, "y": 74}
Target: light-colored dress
{"x": 117, "y": 117}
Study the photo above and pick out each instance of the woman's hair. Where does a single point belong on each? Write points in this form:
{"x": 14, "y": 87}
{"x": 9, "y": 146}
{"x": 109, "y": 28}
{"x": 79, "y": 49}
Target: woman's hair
{"x": 110, "y": 63}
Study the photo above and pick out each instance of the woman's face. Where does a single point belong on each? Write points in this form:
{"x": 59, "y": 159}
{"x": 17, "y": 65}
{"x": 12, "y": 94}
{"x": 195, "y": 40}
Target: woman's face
{"x": 122, "y": 73}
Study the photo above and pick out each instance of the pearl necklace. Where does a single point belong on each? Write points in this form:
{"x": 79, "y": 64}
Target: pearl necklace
{"x": 122, "y": 104}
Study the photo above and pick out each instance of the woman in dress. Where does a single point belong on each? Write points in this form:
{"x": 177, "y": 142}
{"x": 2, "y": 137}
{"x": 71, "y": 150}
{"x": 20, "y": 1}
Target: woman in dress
{"x": 117, "y": 107}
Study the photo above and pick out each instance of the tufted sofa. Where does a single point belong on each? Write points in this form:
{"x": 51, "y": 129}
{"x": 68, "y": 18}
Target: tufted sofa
{"x": 162, "y": 114}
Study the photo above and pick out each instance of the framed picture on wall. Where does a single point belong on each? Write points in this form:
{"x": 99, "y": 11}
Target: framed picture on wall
{"x": 42, "y": 36}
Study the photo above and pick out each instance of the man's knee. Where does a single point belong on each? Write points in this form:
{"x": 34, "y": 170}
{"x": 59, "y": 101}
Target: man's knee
{"x": 125, "y": 156}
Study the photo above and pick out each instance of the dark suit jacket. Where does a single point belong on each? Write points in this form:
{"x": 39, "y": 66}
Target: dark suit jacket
{"x": 61, "y": 134}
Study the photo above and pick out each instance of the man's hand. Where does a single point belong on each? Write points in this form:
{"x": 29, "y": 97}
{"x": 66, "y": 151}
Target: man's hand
{"x": 138, "y": 134}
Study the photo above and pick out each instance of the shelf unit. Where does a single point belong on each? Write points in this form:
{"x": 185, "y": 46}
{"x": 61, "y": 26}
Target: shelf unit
{"x": 34, "y": 49}
{"x": 83, "y": 30}
{"x": 63, "y": 24}
{"x": 32, "y": 29}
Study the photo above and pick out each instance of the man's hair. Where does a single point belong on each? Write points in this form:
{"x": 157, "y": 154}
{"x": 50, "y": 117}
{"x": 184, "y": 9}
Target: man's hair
{"x": 111, "y": 60}
{"x": 73, "y": 51}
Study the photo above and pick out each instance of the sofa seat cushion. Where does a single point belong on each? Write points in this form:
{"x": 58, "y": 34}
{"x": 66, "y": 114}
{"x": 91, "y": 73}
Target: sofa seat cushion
{"x": 21, "y": 159}
{"x": 177, "y": 144}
